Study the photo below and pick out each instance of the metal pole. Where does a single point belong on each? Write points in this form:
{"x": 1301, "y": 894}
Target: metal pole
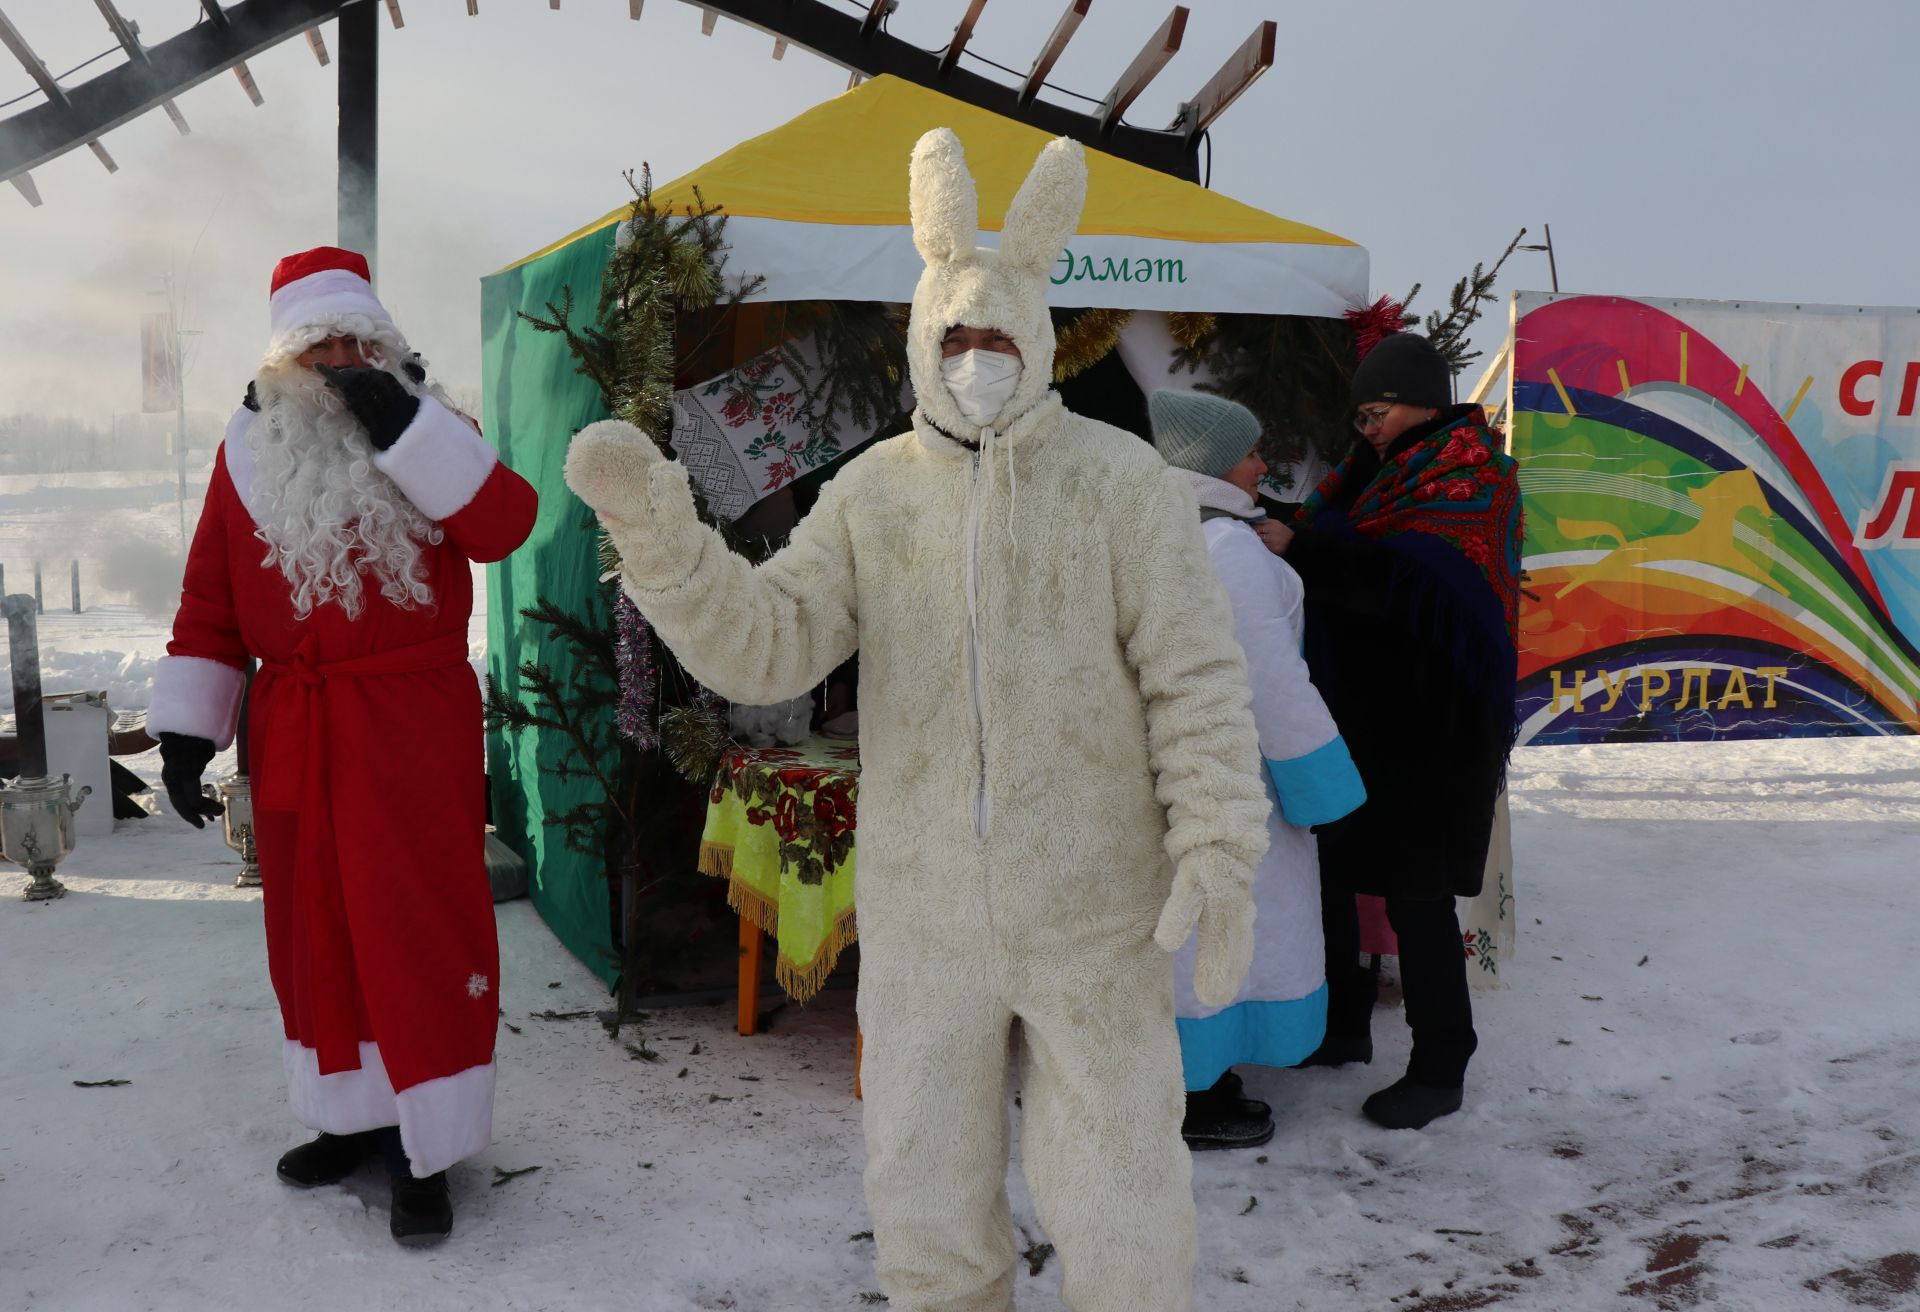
{"x": 1553, "y": 270}
{"x": 240, "y": 743}
{"x": 76, "y": 587}
{"x": 29, "y": 726}
{"x": 38, "y": 605}
{"x": 359, "y": 137}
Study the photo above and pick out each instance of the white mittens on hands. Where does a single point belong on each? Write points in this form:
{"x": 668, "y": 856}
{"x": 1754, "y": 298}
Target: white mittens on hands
{"x": 1216, "y": 892}
{"x": 640, "y": 496}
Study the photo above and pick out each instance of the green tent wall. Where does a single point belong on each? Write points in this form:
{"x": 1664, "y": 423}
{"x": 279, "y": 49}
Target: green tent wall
{"x": 535, "y": 402}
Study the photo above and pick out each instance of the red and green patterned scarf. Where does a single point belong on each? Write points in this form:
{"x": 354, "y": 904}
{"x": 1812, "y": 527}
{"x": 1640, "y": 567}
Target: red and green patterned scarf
{"x": 1456, "y": 485}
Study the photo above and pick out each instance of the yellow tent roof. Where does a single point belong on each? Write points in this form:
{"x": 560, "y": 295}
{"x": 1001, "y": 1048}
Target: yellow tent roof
{"x": 843, "y": 165}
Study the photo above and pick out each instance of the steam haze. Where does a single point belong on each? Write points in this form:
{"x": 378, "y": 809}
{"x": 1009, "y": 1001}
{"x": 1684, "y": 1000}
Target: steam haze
{"x": 1713, "y": 149}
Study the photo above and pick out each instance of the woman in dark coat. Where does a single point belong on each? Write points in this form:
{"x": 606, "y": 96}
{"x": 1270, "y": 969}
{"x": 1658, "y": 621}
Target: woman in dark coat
{"x": 1410, "y": 554}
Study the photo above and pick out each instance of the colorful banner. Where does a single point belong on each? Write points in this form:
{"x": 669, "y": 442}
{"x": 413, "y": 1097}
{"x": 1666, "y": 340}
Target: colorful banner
{"x": 1722, "y": 519}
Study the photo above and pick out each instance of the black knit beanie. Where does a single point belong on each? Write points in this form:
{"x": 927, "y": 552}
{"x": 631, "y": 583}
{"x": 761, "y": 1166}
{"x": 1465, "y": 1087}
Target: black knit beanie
{"x": 1407, "y": 368}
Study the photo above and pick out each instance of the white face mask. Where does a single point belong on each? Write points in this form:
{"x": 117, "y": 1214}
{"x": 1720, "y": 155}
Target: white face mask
{"x": 981, "y": 383}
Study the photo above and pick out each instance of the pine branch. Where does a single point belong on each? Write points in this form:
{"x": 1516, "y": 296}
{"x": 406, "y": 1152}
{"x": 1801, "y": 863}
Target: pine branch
{"x": 1466, "y": 303}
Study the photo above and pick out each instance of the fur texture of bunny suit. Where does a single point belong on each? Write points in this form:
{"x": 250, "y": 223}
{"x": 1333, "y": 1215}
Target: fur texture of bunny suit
{"x": 1059, "y": 771}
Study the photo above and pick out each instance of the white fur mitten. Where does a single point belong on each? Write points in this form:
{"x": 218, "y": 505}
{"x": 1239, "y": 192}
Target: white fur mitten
{"x": 641, "y": 497}
{"x": 1216, "y": 891}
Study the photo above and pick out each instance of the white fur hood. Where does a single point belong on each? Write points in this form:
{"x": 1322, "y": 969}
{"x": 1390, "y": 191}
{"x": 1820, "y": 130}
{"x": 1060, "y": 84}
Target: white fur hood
{"x": 968, "y": 284}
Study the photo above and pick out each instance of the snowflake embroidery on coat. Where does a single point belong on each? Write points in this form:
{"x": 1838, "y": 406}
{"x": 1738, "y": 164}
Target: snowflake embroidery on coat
{"x": 477, "y": 985}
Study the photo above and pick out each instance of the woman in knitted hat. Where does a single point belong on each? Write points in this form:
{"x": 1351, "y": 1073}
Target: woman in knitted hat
{"x": 1279, "y": 1015}
{"x": 1410, "y": 551}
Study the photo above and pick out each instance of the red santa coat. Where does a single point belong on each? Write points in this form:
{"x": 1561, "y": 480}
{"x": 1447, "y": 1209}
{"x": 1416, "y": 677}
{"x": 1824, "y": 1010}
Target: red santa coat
{"x": 368, "y": 778}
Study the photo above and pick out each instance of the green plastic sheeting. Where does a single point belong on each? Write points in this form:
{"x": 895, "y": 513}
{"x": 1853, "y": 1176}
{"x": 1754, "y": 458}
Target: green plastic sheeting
{"x": 535, "y": 402}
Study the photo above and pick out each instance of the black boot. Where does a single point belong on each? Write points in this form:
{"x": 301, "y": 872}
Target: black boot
{"x": 1228, "y": 1086}
{"x": 1405, "y": 1105}
{"x": 1215, "y": 1121}
{"x": 421, "y": 1212}
{"x": 327, "y": 1160}
{"x": 1334, "y": 1051}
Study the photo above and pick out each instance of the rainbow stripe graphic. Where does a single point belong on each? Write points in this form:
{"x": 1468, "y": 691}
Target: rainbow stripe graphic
{"x": 1690, "y": 575}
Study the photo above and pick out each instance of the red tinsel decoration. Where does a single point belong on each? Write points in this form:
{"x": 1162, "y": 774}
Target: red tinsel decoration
{"x": 1383, "y": 318}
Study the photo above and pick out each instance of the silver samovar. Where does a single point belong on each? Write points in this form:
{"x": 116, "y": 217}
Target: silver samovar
{"x": 235, "y": 792}
{"x": 36, "y": 812}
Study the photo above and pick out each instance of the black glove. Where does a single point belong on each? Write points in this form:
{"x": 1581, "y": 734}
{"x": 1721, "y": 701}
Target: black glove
{"x": 378, "y": 400}
{"x": 183, "y": 759}
{"x": 415, "y": 368}
{"x": 252, "y": 399}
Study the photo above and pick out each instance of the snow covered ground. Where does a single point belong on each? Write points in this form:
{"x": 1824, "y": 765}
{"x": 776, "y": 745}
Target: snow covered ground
{"x": 1699, "y": 1088}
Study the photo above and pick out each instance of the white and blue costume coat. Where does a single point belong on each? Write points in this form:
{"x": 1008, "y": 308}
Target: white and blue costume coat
{"x": 1280, "y": 1015}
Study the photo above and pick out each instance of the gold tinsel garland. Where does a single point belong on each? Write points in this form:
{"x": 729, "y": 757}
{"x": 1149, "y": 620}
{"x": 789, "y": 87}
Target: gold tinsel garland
{"x": 1086, "y": 341}
{"x": 1190, "y": 328}
{"x": 1090, "y": 338}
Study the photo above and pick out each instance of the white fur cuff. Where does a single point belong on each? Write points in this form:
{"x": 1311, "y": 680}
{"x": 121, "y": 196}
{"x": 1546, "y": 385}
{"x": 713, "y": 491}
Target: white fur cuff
{"x": 195, "y": 696}
{"x": 440, "y": 462}
{"x": 441, "y": 1121}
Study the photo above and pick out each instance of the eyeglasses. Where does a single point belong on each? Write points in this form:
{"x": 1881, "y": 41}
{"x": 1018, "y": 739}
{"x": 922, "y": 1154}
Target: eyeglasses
{"x": 1371, "y": 417}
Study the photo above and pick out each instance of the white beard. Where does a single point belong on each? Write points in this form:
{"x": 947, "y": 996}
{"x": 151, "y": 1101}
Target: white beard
{"x": 326, "y": 513}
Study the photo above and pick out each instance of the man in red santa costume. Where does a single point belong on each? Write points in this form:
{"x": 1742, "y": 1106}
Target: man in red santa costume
{"x": 345, "y": 505}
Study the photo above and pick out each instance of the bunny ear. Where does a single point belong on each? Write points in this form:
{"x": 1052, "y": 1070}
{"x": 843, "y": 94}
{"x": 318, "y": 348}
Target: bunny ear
{"x": 945, "y": 205}
{"x": 1043, "y": 216}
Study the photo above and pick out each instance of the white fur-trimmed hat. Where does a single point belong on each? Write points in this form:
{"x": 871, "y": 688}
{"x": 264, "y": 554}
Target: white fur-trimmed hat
{"x": 323, "y": 286}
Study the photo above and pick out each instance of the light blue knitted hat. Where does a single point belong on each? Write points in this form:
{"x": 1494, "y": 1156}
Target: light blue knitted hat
{"x": 1198, "y": 431}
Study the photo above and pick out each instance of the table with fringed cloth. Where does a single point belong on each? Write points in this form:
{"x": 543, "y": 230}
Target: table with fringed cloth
{"x": 779, "y": 830}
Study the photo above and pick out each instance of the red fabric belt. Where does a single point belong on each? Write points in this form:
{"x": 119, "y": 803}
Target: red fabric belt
{"x": 296, "y": 748}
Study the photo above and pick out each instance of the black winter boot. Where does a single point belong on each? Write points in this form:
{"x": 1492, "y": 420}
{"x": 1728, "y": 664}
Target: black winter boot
{"x": 327, "y": 1160}
{"x": 1335, "y": 1051}
{"x": 1229, "y": 1086}
{"x": 1217, "y": 1120}
{"x": 422, "y": 1211}
{"x": 1405, "y": 1105}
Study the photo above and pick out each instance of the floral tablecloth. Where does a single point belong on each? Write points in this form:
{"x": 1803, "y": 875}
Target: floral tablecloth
{"x": 780, "y": 831}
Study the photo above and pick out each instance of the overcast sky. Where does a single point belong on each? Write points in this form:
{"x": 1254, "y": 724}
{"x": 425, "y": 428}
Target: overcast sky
{"x": 1753, "y": 150}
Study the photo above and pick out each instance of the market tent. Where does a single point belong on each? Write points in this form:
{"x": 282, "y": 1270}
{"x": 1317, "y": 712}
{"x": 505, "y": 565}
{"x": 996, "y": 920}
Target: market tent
{"x": 818, "y": 208}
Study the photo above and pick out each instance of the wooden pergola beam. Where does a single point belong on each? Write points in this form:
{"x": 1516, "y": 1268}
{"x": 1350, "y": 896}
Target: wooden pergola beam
{"x": 1242, "y": 69}
{"x": 317, "y": 42}
{"x": 962, "y": 33}
{"x": 876, "y": 10}
{"x": 137, "y": 53}
{"x": 247, "y": 84}
{"x": 87, "y": 111}
{"x": 1050, "y": 52}
{"x": 393, "y": 13}
{"x": 244, "y": 75}
{"x": 835, "y": 34}
{"x": 10, "y": 37}
{"x": 23, "y": 183}
{"x": 1146, "y": 65}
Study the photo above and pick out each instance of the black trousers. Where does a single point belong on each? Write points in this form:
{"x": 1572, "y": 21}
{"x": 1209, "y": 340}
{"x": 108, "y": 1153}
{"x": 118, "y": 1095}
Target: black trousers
{"x": 1433, "y": 980}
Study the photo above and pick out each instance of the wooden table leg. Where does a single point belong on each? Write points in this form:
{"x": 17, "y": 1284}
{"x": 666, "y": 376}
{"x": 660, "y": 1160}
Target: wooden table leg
{"x": 752, "y": 959}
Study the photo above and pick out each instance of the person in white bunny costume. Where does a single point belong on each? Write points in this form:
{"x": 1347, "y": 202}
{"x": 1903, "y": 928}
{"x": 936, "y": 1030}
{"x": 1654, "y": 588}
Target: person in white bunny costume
{"x": 1059, "y": 764}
